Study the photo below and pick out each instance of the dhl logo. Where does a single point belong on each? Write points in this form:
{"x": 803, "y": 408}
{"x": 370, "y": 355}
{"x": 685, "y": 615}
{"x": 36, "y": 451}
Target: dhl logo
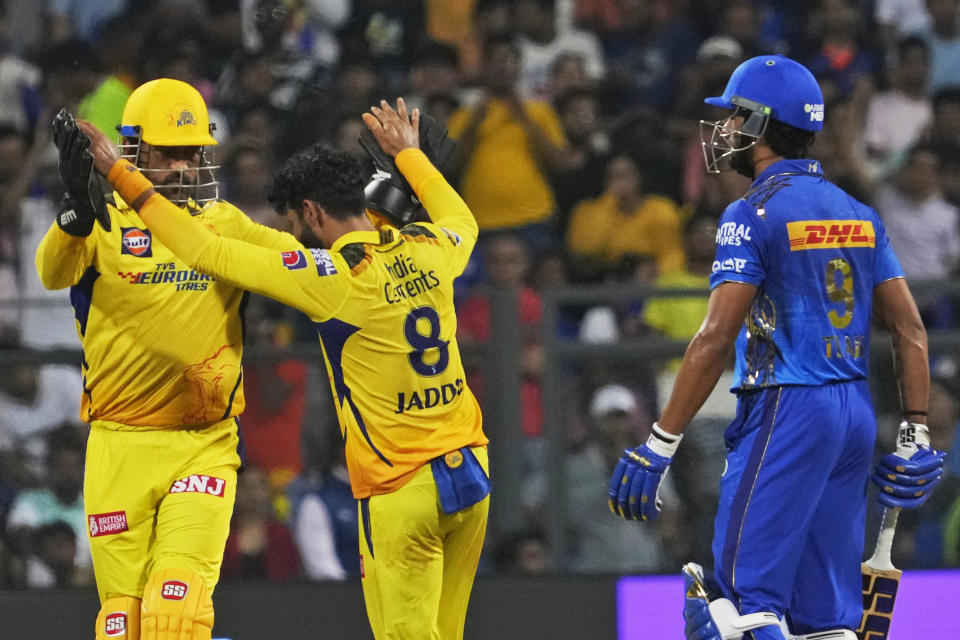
{"x": 830, "y": 234}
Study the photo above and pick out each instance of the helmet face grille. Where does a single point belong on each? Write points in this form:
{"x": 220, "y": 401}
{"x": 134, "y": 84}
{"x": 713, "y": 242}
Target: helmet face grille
{"x": 719, "y": 141}
{"x": 194, "y": 187}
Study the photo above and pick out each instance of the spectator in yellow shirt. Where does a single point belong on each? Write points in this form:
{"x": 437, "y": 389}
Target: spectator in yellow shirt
{"x": 507, "y": 146}
{"x": 624, "y": 221}
{"x": 680, "y": 317}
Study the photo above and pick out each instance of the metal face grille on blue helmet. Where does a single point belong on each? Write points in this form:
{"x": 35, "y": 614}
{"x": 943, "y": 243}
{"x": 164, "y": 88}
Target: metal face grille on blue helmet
{"x": 760, "y": 89}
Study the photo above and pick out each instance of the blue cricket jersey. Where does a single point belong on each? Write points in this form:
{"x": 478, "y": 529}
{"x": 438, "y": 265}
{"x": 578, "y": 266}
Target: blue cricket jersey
{"x": 815, "y": 254}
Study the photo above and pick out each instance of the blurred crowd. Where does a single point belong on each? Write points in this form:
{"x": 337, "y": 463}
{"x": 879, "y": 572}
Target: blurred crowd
{"x": 579, "y": 153}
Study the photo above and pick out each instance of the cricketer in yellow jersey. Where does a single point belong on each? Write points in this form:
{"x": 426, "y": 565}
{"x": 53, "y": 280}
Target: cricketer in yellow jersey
{"x": 382, "y": 301}
{"x": 162, "y": 380}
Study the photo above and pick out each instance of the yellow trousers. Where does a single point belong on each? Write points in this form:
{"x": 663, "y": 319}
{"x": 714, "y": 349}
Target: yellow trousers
{"x": 418, "y": 563}
{"x": 158, "y": 499}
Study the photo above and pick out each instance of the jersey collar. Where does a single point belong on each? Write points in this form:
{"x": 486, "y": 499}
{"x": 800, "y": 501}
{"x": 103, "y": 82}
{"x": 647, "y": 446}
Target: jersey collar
{"x": 803, "y": 166}
{"x": 385, "y": 235}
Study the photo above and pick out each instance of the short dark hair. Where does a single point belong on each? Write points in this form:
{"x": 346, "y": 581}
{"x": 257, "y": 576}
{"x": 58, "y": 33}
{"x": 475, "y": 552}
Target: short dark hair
{"x": 563, "y": 100}
{"x": 330, "y": 177}
{"x": 912, "y": 42}
{"x": 947, "y": 95}
{"x": 788, "y": 141}
{"x": 495, "y": 40}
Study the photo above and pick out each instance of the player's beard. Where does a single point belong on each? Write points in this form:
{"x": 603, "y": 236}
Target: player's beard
{"x": 742, "y": 162}
{"x": 307, "y": 237}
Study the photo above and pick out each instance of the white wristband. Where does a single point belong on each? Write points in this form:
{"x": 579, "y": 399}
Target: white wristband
{"x": 662, "y": 443}
{"x": 910, "y": 437}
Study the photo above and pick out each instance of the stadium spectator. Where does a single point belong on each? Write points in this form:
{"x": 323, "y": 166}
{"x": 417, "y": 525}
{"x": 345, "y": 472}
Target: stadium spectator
{"x": 506, "y": 261}
{"x": 543, "y": 42}
{"x": 325, "y": 522}
{"x": 80, "y": 18}
{"x": 259, "y": 547}
{"x": 603, "y": 544}
{"x": 58, "y": 501}
{"x": 624, "y": 221}
{"x": 644, "y": 53}
{"x": 506, "y": 144}
{"x": 35, "y": 399}
{"x": 679, "y": 318}
{"x": 842, "y": 61}
{"x": 19, "y": 86}
{"x": 50, "y": 562}
{"x": 246, "y": 172}
{"x": 897, "y": 19}
{"x": 897, "y": 117}
{"x": 434, "y": 70}
{"x": 943, "y": 38}
{"x": 922, "y": 225}
{"x": 522, "y": 553}
{"x": 588, "y": 153}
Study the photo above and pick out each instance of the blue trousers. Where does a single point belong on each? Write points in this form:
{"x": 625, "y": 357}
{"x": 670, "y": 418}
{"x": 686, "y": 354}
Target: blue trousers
{"x": 789, "y": 532}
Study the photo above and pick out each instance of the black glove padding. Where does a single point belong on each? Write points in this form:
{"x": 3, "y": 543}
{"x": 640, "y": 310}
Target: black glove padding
{"x": 436, "y": 143}
{"x": 77, "y": 172}
{"x": 388, "y": 192}
{"x": 74, "y": 220}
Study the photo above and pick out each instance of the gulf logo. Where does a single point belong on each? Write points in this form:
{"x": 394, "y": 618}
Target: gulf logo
{"x": 136, "y": 242}
{"x": 294, "y": 260}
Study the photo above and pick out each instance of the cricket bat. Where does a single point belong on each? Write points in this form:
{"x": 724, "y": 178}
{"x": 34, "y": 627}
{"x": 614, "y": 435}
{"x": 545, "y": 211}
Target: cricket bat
{"x": 880, "y": 578}
{"x": 880, "y": 582}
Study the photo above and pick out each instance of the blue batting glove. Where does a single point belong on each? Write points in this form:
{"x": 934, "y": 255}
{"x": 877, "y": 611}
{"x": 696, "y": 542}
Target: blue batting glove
{"x": 635, "y": 482}
{"x": 908, "y": 483}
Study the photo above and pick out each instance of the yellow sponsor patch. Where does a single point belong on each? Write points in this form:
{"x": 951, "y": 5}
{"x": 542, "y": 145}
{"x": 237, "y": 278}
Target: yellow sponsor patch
{"x": 830, "y": 234}
{"x": 453, "y": 459}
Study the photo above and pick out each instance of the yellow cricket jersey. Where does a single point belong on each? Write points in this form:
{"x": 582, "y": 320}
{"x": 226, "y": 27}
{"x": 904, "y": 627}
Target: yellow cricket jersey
{"x": 503, "y": 182}
{"x": 161, "y": 341}
{"x": 382, "y": 302}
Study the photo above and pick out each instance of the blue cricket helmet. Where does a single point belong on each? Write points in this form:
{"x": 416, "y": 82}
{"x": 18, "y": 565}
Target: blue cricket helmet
{"x": 777, "y": 87}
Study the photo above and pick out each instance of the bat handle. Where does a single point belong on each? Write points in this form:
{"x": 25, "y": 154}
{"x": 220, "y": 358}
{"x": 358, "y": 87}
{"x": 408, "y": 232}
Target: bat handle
{"x": 881, "y": 555}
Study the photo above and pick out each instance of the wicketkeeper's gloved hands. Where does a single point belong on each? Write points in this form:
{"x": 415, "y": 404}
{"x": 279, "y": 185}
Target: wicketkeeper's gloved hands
{"x": 74, "y": 220}
{"x": 635, "y": 483}
{"x": 78, "y": 174}
{"x": 907, "y": 478}
{"x": 388, "y": 192}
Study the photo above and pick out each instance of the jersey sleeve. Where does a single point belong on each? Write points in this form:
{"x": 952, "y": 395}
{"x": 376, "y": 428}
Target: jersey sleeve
{"x": 314, "y": 281}
{"x": 740, "y": 248}
{"x": 62, "y": 258}
{"x": 243, "y": 228}
{"x": 447, "y": 209}
{"x": 886, "y": 265}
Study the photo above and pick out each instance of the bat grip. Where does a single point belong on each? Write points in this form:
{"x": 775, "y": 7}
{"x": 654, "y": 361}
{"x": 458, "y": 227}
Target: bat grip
{"x": 881, "y": 555}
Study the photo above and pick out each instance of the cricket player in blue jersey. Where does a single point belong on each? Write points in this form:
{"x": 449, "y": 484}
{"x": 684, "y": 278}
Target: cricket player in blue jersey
{"x": 801, "y": 269}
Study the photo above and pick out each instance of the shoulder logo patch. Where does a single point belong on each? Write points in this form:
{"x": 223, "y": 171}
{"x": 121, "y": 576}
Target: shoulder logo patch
{"x": 294, "y": 260}
{"x": 324, "y": 262}
{"x": 136, "y": 242}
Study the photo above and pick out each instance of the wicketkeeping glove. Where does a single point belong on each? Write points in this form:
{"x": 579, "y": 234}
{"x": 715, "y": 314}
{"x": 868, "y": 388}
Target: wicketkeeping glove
{"x": 77, "y": 172}
{"x": 907, "y": 478}
{"x": 72, "y": 219}
{"x": 635, "y": 483}
{"x": 389, "y": 192}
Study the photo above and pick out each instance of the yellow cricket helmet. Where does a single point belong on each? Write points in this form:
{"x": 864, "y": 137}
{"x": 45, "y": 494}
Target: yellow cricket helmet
{"x": 171, "y": 113}
{"x": 167, "y": 113}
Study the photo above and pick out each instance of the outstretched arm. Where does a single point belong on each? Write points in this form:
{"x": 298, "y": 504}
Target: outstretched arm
{"x": 286, "y": 276}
